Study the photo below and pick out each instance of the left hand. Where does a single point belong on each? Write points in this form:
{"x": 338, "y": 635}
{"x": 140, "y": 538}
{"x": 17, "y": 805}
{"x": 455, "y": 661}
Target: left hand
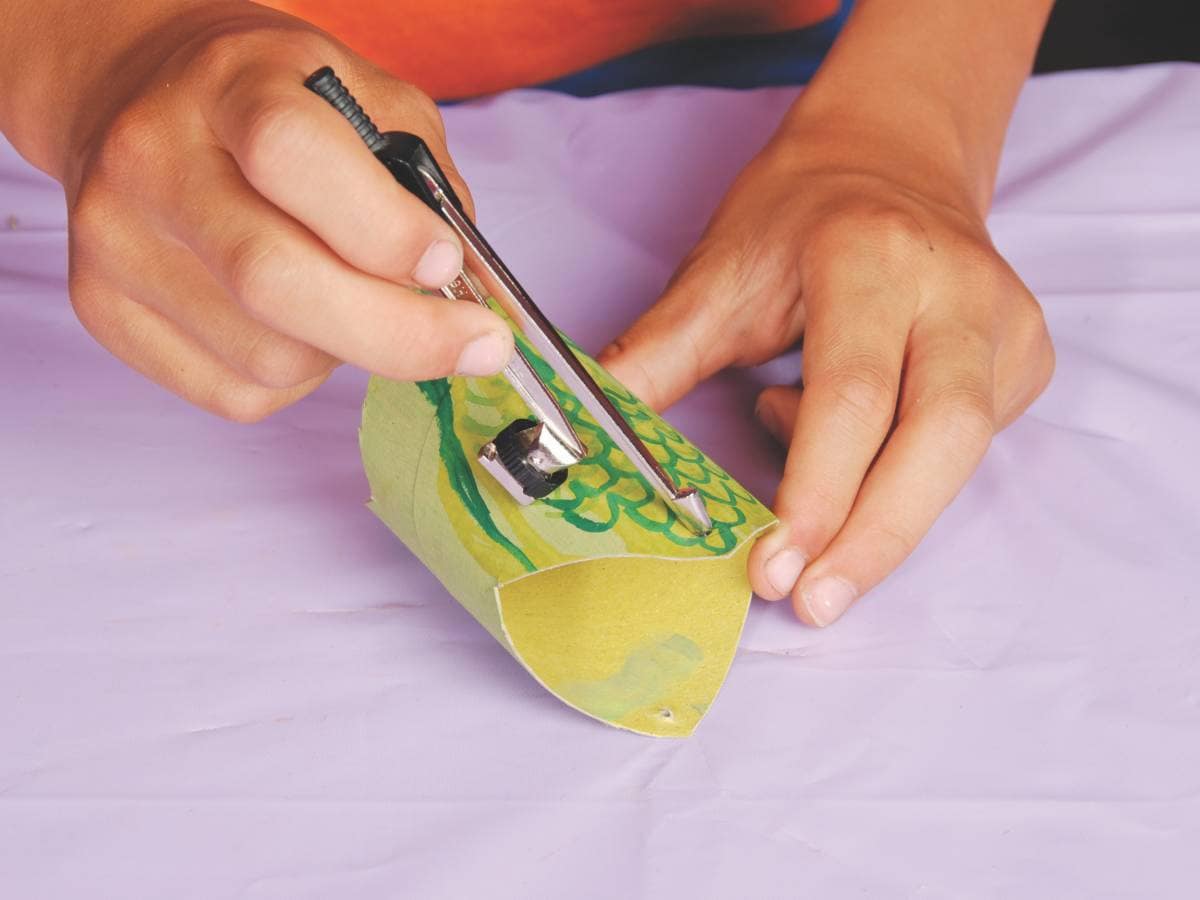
{"x": 920, "y": 343}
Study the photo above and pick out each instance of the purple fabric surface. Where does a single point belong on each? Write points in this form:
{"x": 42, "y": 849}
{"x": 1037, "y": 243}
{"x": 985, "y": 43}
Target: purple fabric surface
{"x": 220, "y": 676}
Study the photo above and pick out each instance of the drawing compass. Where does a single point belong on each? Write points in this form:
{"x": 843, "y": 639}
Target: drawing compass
{"x": 530, "y": 457}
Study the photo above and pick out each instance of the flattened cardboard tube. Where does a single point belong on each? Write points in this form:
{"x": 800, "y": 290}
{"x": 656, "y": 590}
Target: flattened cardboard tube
{"x": 611, "y": 602}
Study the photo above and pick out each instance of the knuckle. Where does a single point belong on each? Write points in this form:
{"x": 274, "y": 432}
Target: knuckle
{"x": 277, "y": 361}
{"x": 272, "y": 131}
{"x": 405, "y": 103}
{"x": 410, "y": 104}
{"x": 1031, "y": 323}
{"x": 421, "y": 105}
{"x": 230, "y": 47}
{"x": 258, "y": 267}
{"x": 1032, "y": 338}
{"x": 889, "y": 230}
{"x": 866, "y": 390}
{"x": 982, "y": 268}
{"x": 980, "y": 280}
{"x": 220, "y": 52}
{"x": 242, "y": 403}
{"x": 882, "y": 232}
{"x": 825, "y": 507}
{"x": 410, "y": 341}
{"x": 1040, "y": 361}
{"x": 966, "y": 415}
{"x": 893, "y": 539}
{"x": 130, "y": 146}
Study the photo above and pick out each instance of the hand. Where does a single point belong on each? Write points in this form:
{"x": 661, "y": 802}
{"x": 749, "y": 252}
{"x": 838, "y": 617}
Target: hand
{"x": 233, "y": 239}
{"x": 919, "y": 343}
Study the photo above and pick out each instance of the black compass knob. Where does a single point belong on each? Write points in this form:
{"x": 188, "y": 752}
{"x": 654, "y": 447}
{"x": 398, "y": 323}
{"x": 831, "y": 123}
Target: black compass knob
{"x": 512, "y": 449}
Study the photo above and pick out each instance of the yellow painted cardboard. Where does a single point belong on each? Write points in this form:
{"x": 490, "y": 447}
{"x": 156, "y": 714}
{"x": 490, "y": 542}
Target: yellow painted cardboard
{"x": 607, "y": 599}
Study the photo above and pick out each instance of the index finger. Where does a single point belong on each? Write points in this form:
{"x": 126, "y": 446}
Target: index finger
{"x": 944, "y": 431}
{"x": 302, "y": 155}
{"x": 853, "y": 353}
{"x": 280, "y": 274}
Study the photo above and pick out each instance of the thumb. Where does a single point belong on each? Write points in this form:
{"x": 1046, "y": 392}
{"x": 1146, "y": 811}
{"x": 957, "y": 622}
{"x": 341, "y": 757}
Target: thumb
{"x": 677, "y": 343}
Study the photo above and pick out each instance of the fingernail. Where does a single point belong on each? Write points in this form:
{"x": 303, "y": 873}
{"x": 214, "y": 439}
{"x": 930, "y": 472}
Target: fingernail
{"x": 784, "y": 568}
{"x": 485, "y": 355}
{"x": 827, "y": 598}
{"x": 439, "y": 266}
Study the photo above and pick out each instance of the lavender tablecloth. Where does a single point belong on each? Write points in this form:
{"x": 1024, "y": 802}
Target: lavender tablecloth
{"x": 220, "y": 676}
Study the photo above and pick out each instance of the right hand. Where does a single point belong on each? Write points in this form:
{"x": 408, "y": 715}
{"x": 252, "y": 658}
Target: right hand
{"x": 233, "y": 239}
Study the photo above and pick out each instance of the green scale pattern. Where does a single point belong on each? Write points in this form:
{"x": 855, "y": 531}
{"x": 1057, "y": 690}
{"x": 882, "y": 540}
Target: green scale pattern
{"x": 603, "y": 491}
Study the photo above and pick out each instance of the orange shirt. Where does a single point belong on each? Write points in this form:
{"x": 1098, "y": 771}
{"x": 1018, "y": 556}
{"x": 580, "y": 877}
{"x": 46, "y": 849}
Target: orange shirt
{"x": 461, "y": 48}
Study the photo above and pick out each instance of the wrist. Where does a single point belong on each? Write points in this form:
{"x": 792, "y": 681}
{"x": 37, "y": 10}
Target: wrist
{"x": 925, "y": 87}
{"x": 931, "y": 158}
